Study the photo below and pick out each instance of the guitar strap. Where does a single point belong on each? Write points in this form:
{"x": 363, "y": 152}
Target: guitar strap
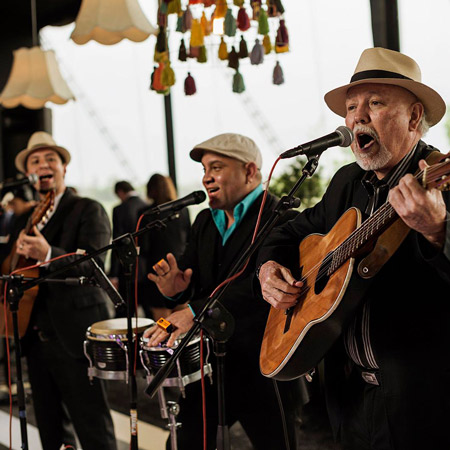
{"x": 388, "y": 242}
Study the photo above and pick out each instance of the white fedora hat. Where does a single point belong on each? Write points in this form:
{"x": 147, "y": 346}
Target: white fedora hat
{"x": 39, "y": 141}
{"x": 383, "y": 66}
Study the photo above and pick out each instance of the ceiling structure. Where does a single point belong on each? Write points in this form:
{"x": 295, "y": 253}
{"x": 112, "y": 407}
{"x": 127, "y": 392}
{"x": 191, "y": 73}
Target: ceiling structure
{"x": 17, "y": 124}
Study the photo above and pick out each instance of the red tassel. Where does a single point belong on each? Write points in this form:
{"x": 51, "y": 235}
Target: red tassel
{"x": 243, "y": 21}
{"x": 189, "y": 85}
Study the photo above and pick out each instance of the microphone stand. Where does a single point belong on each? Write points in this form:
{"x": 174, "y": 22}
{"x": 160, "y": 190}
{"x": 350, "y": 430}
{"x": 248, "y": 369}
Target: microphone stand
{"x": 16, "y": 287}
{"x": 217, "y": 321}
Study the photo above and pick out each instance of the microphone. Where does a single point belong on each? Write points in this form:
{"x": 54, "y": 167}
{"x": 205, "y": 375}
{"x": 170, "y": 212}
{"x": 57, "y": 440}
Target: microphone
{"x": 175, "y": 205}
{"x": 30, "y": 179}
{"x": 342, "y": 137}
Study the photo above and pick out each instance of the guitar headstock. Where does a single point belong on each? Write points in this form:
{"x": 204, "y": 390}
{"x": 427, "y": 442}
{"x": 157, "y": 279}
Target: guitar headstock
{"x": 437, "y": 176}
{"x": 43, "y": 209}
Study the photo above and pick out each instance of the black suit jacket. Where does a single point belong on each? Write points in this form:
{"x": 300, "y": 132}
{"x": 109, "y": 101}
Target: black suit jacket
{"x": 67, "y": 311}
{"x": 409, "y": 319}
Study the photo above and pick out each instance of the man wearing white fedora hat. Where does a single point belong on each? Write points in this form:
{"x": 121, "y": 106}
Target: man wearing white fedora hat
{"x": 387, "y": 370}
{"x": 53, "y": 343}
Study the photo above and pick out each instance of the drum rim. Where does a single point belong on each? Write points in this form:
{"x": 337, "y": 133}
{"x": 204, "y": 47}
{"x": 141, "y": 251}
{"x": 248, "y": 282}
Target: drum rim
{"x": 164, "y": 348}
{"x": 101, "y": 332}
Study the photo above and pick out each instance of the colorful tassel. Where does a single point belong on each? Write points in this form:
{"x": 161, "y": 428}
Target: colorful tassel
{"x": 267, "y": 44}
{"x": 206, "y": 25}
{"x": 221, "y": 9}
{"x": 263, "y": 22}
{"x": 180, "y": 24}
{"x": 195, "y": 2}
{"x": 197, "y": 38}
{"x": 239, "y": 3}
{"x": 243, "y": 21}
{"x": 282, "y": 39}
{"x": 230, "y": 24}
{"x": 223, "y": 50}
{"x": 194, "y": 52}
{"x": 156, "y": 81}
{"x": 238, "y": 83}
{"x": 243, "y": 50}
{"x": 208, "y": 3}
{"x": 202, "y": 55}
{"x": 182, "y": 52}
{"x": 187, "y": 19}
{"x": 161, "y": 40}
{"x": 167, "y": 75}
{"x": 280, "y": 7}
{"x": 256, "y": 8}
{"x": 233, "y": 59}
{"x": 174, "y": 7}
{"x": 161, "y": 18}
{"x": 278, "y": 76}
{"x": 257, "y": 53}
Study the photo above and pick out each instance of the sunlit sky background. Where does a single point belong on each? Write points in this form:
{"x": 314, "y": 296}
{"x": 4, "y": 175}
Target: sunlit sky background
{"x": 326, "y": 39}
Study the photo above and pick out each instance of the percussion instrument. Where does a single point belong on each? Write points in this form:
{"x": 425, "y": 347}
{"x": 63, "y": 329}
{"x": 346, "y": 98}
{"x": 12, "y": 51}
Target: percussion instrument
{"x": 106, "y": 347}
{"x": 187, "y": 369}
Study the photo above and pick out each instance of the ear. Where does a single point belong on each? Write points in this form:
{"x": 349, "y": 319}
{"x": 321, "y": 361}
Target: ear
{"x": 416, "y": 115}
{"x": 250, "y": 172}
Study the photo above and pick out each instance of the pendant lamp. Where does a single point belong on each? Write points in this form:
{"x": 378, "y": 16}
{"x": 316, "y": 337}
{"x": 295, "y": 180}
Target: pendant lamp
{"x": 110, "y": 21}
{"x": 34, "y": 80}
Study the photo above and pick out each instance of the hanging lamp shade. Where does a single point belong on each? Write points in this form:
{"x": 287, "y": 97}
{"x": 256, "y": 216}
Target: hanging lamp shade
{"x": 110, "y": 21}
{"x": 34, "y": 80}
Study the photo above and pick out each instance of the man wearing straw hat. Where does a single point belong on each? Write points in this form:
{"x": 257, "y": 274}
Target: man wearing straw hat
{"x": 61, "y": 314}
{"x": 387, "y": 375}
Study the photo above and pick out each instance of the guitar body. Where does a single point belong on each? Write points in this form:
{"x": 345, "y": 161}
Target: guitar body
{"x": 13, "y": 263}
{"x": 312, "y": 322}
{"x": 26, "y": 302}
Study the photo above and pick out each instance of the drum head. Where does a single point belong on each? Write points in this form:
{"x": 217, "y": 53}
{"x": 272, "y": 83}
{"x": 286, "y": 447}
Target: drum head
{"x": 119, "y": 326}
{"x": 144, "y": 343}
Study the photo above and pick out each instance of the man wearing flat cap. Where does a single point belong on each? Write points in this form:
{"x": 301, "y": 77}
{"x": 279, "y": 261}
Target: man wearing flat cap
{"x": 387, "y": 370}
{"x": 53, "y": 342}
{"x": 220, "y": 234}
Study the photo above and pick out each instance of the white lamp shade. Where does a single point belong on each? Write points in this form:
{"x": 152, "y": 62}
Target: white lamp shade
{"x": 110, "y": 21}
{"x": 34, "y": 80}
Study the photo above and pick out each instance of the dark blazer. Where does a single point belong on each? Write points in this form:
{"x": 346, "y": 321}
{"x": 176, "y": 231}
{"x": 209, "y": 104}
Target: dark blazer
{"x": 78, "y": 223}
{"x": 124, "y": 219}
{"x": 409, "y": 319}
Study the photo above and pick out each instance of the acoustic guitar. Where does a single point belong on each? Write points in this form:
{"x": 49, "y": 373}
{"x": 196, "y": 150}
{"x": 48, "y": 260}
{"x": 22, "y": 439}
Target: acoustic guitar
{"x": 297, "y": 339}
{"x": 14, "y": 262}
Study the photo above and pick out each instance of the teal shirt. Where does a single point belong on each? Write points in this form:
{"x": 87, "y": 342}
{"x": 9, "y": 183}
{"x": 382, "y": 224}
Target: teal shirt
{"x": 239, "y": 212}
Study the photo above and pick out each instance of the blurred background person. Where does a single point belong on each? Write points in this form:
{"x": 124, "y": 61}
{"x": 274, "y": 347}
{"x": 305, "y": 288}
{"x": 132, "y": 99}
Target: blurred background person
{"x": 156, "y": 243}
{"x": 124, "y": 218}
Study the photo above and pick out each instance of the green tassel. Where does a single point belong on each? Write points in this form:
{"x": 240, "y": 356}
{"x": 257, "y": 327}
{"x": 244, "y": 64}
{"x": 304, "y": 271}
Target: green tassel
{"x": 263, "y": 23}
{"x": 230, "y": 24}
{"x": 202, "y": 56}
{"x": 238, "y": 83}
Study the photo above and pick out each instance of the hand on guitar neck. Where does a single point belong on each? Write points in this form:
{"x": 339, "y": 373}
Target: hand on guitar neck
{"x": 423, "y": 210}
{"x": 278, "y": 286}
{"x": 35, "y": 247}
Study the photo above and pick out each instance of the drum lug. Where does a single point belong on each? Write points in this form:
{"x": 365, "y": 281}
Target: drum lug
{"x": 91, "y": 366}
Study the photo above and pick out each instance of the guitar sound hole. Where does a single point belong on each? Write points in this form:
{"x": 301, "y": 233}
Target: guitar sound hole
{"x": 322, "y": 276}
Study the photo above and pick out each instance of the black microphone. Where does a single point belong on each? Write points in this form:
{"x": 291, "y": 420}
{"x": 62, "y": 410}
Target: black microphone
{"x": 30, "y": 179}
{"x": 343, "y": 137}
{"x": 175, "y": 205}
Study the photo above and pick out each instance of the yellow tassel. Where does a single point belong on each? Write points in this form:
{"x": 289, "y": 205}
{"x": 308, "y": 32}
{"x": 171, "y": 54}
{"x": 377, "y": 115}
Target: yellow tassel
{"x": 221, "y": 9}
{"x": 223, "y": 51}
{"x": 281, "y": 48}
{"x": 167, "y": 75}
{"x": 196, "y": 34}
{"x": 267, "y": 44}
{"x": 206, "y": 25}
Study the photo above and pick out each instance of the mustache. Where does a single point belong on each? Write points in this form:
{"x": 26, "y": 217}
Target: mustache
{"x": 364, "y": 129}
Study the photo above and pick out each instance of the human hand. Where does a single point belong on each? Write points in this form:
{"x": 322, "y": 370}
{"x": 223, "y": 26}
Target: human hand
{"x": 182, "y": 321}
{"x": 423, "y": 210}
{"x": 278, "y": 286}
{"x": 169, "y": 278}
{"x": 35, "y": 247}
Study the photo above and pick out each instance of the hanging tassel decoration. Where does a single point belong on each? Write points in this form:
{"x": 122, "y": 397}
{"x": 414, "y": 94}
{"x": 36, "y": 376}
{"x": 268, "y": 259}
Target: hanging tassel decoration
{"x": 238, "y": 83}
{"x": 243, "y": 21}
{"x": 239, "y": 3}
{"x": 208, "y": 3}
{"x": 280, "y": 7}
{"x": 257, "y": 53}
{"x": 221, "y": 9}
{"x": 157, "y": 80}
{"x": 167, "y": 75}
{"x": 182, "y": 52}
{"x": 194, "y": 52}
{"x": 230, "y": 24}
{"x": 243, "y": 50}
{"x": 263, "y": 23}
{"x": 206, "y": 25}
{"x": 174, "y": 7}
{"x": 161, "y": 40}
{"x": 256, "y": 8}
{"x": 278, "y": 76}
{"x": 272, "y": 8}
{"x": 180, "y": 24}
{"x": 282, "y": 39}
{"x": 187, "y": 19}
{"x": 202, "y": 56}
{"x": 152, "y": 77}
{"x": 161, "y": 18}
{"x": 196, "y": 34}
{"x": 233, "y": 59}
{"x": 223, "y": 51}
{"x": 267, "y": 44}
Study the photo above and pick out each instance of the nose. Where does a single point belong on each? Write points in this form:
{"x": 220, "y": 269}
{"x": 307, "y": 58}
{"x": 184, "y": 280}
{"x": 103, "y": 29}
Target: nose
{"x": 361, "y": 114}
{"x": 207, "y": 178}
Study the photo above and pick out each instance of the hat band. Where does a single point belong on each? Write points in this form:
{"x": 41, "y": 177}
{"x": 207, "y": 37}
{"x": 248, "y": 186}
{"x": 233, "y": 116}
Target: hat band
{"x": 365, "y": 74}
